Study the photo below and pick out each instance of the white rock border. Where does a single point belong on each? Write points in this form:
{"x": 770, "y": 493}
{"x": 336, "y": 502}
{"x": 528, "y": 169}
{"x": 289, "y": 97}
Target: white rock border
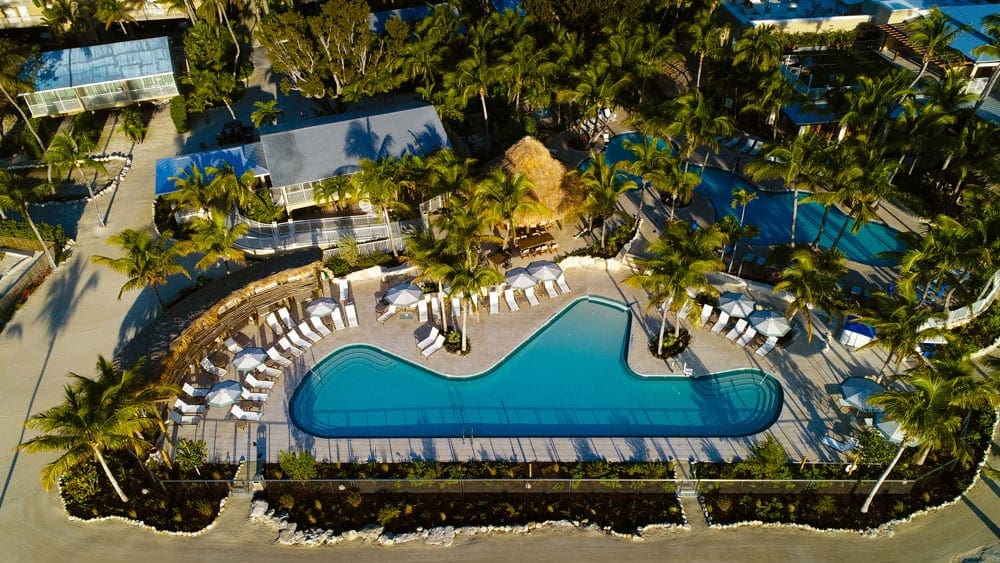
{"x": 113, "y": 183}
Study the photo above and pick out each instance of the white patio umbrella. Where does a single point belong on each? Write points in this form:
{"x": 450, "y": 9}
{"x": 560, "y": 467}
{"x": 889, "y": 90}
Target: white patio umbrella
{"x": 249, "y": 358}
{"x": 224, "y": 394}
{"x": 889, "y": 428}
{"x": 769, "y": 323}
{"x": 736, "y": 304}
{"x": 404, "y": 295}
{"x": 544, "y": 270}
{"x": 321, "y": 307}
{"x": 519, "y": 278}
{"x": 857, "y": 390}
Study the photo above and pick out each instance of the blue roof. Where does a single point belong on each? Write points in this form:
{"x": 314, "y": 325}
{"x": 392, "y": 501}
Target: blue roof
{"x": 811, "y": 115}
{"x": 377, "y": 20}
{"x": 241, "y": 159}
{"x": 967, "y": 40}
{"x": 502, "y": 6}
{"x": 103, "y": 63}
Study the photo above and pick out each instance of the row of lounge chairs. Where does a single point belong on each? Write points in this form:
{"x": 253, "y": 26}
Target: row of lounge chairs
{"x": 529, "y": 294}
{"x": 741, "y": 332}
{"x": 745, "y": 144}
{"x": 432, "y": 343}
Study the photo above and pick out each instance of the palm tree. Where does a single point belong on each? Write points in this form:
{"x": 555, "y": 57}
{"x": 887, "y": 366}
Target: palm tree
{"x": 111, "y": 413}
{"x": 507, "y": 197}
{"x": 705, "y": 38}
{"x": 377, "y": 183}
{"x": 901, "y": 323}
{"x": 12, "y": 79}
{"x": 111, "y": 12}
{"x": 741, "y": 199}
{"x": 265, "y": 112}
{"x": 695, "y": 121}
{"x": 677, "y": 265}
{"x": 811, "y": 278}
{"x": 227, "y": 188}
{"x": 760, "y": 48}
{"x": 15, "y": 194}
{"x": 474, "y": 76}
{"x": 470, "y": 280}
{"x": 925, "y": 415}
{"x": 436, "y": 264}
{"x": 214, "y": 11}
{"x": 466, "y": 229}
{"x": 193, "y": 190}
{"x": 931, "y": 34}
{"x": 869, "y": 189}
{"x": 604, "y": 183}
{"x": 216, "y": 241}
{"x": 658, "y": 168}
{"x": 774, "y": 91}
{"x": 872, "y": 102}
{"x": 799, "y": 166}
{"x": 145, "y": 261}
{"x": 68, "y": 153}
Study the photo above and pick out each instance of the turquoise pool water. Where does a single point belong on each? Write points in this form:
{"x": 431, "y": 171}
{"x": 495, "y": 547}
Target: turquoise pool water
{"x": 569, "y": 380}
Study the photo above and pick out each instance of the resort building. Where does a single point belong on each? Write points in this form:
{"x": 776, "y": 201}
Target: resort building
{"x": 102, "y": 76}
{"x": 15, "y": 14}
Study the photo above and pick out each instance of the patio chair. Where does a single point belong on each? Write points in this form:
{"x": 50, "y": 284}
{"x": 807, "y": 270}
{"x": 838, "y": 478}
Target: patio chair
{"x": 430, "y": 339}
{"x": 550, "y": 289}
{"x": 738, "y": 329}
{"x": 508, "y": 294}
{"x": 842, "y": 447}
{"x": 437, "y": 345}
{"x": 747, "y": 145}
{"x": 561, "y": 282}
{"x": 286, "y": 347}
{"x": 387, "y": 314}
{"x": 733, "y": 142}
{"x": 185, "y": 408}
{"x": 286, "y": 318}
{"x": 178, "y": 418}
{"x": 194, "y": 392}
{"x": 436, "y": 307}
{"x": 272, "y": 321}
{"x": 307, "y": 331}
{"x": 706, "y": 313}
{"x": 211, "y": 368}
{"x": 277, "y": 358}
{"x": 255, "y": 383}
{"x": 494, "y": 302}
{"x": 269, "y": 371}
{"x": 297, "y": 340}
{"x": 721, "y": 322}
{"x": 757, "y": 147}
{"x": 684, "y": 312}
{"x": 238, "y": 412}
{"x": 352, "y": 315}
{"x": 338, "y": 320}
{"x": 422, "y": 311}
{"x": 320, "y": 326}
{"x": 254, "y": 396}
{"x": 530, "y": 294}
{"x": 767, "y": 346}
{"x": 688, "y": 372}
{"x": 345, "y": 290}
{"x": 749, "y": 335}
{"x": 232, "y": 345}
{"x": 456, "y": 309}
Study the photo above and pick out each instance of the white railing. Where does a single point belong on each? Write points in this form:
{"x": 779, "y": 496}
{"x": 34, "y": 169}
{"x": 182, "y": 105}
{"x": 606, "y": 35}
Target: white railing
{"x": 324, "y": 224}
{"x": 290, "y": 236}
{"x": 964, "y": 315}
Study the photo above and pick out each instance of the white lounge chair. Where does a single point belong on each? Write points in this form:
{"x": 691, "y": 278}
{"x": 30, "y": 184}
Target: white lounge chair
{"x": 437, "y": 345}
{"x": 277, "y": 358}
{"x": 532, "y": 298}
{"x": 286, "y": 318}
{"x": 842, "y": 447}
{"x": 685, "y": 310}
{"x": 320, "y": 326}
{"x": 550, "y": 289}
{"x": 185, "y": 408}
{"x": 232, "y": 345}
{"x": 494, "y": 302}
{"x": 248, "y": 395}
{"x": 297, "y": 339}
{"x": 767, "y": 346}
{"x": 422, "y": 311}
{"x": 475, "y": 303}
{"x": 706, "y": 313}
{"x": 387, "y": 314}
{"x": 352, "y": 315}
{"x": 178, "y": 418}
{"x": 211, "y": 368}
{"x": 456, "y": 309}
{"x": 747, "y": 336}
{"x": 238, "y": 412}
{"x": 436, "y": 307}
{"x": 308, "y": 332}
{"x": 287, "y": 347}
{"x": 193, "y": 391}
{"x": 255, "y": 383}
{"x": 269, "y": 371}
{"x": 272, "y": 321}
{"x": 737, "y": 329}
{"x": 508, "y": 294}
{"x": 338, "y": 321}
{"x": 430, "y": 338}
{"x": 345, "y": 290}
{"x": 688, "y": 372}
{"x": 721, "y": 323}
{"x": 561, "y": 282}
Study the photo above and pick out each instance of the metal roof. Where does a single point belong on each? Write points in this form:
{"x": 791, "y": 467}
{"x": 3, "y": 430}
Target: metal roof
{"x": 103, "y": 63}
{"x": 241, "y": 158}
{"x": 336, "y": 146}
{"x": 974, "y": 36}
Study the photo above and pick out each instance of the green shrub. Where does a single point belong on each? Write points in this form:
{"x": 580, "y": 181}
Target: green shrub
{"x": 874, "y": 449}
{"x": 299, "y": 466}
{"x": 179, "y": 113}
{"x": 262, "y": 208}
{"x": 387, "y": 514}
{"x": 341, "y": 267}
{"x": 85, "y": 126}
{"x": 354, "y": 498}
{"x": 81, "y": 484}
{"x": 286, "y": 501}
{"x": 133, "y": 126}
{"x": 768, "y": 460}
{"x": 190, "y": 455}
{"x": 347, "y": 250}
{"x": 825, "y": 504}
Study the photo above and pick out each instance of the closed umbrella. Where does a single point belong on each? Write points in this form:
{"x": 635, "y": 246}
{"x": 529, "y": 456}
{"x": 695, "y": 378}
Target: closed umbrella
{"x": 404, "y": 295}
{"x": 889, "y": 428}
{"x": 857, "y": 390}
{"x": 544, "y": 270}
{"x": 249, "y": 358}
{"x": 519, "y": 278}
{"x": 321, "y": 307}
{"x": 769, "y": 324}
{"x": 224, "y": 394}
{"x": 736, "y": 304}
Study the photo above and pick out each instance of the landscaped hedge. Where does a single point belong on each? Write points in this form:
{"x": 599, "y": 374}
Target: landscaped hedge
{"x": 18, "y": 234}
{"x": 485, "y": 470}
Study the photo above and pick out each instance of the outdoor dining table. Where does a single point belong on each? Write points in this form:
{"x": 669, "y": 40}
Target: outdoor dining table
{"x": 534, "y": 241}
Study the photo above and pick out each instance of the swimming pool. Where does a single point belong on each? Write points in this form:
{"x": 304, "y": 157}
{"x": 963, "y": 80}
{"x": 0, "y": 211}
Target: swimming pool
{"x": 570, "y": 379}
